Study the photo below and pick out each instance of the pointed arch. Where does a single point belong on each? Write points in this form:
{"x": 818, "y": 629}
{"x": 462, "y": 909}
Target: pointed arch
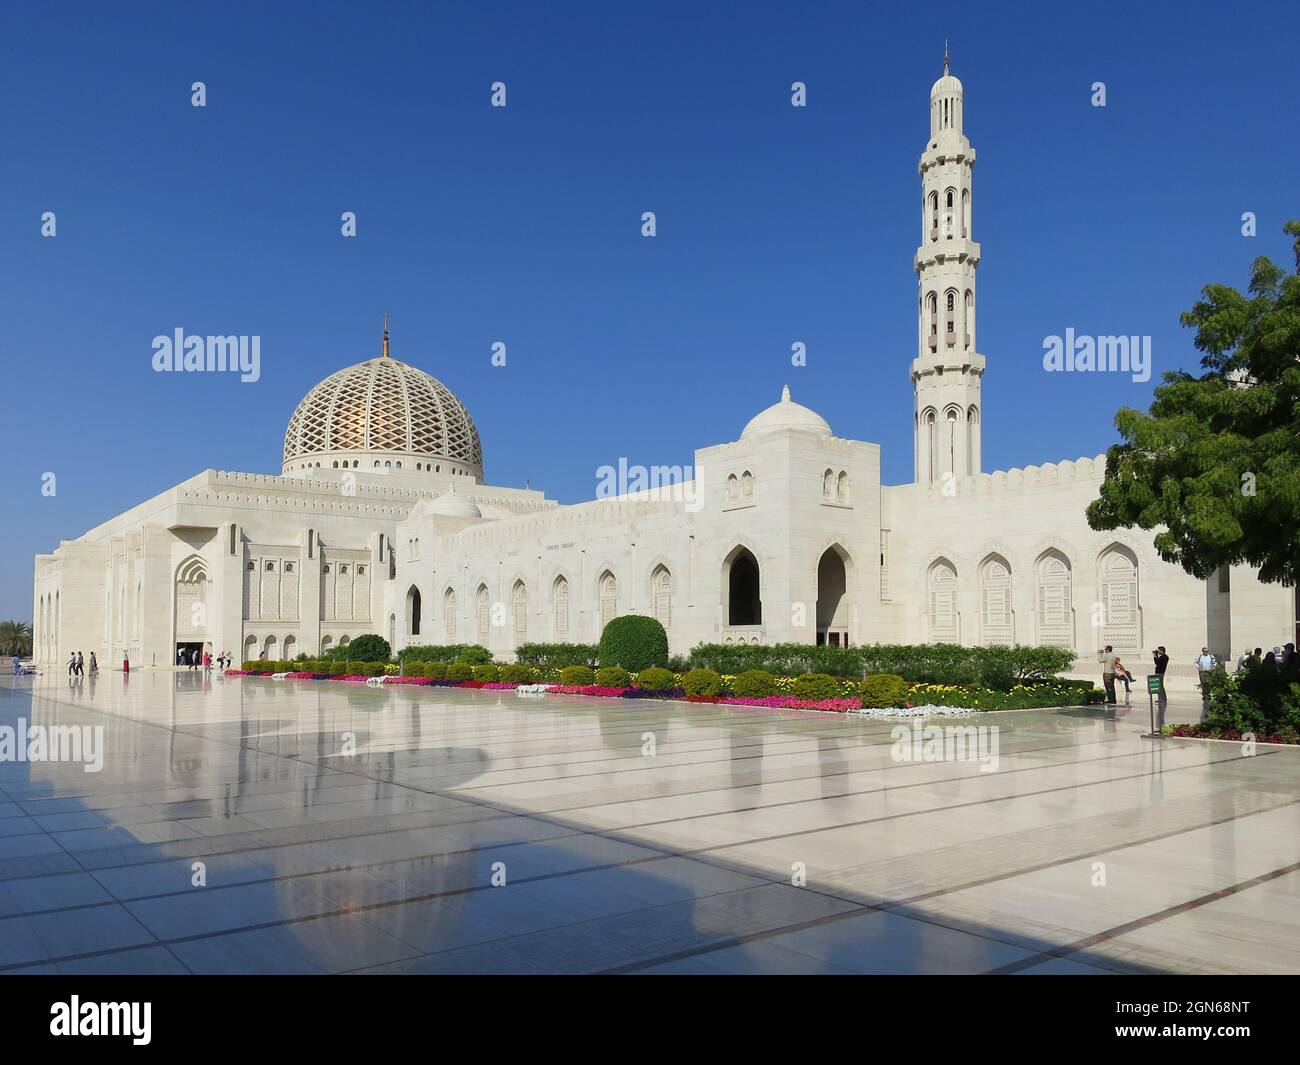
{"x": 941, "y": 583}
{"x": 996, "y": 618}
{"x": 1117, "y": 584}
{"x": 661, "y": 595}
{"x": 519, "y": 611}
{"x": 414, "y": 611}
{"x": 1055, "y": 578}
{"x": 482, "y": 614}
{"x": 560, "y": 608}
{"x": 449, "y": 613}
{"x": 742, "y": 579}
{"x": 607, "y": 595}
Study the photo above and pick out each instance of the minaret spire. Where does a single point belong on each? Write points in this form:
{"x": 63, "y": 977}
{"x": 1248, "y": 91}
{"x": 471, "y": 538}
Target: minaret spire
{"x": 385, "y": 354}
{"x": 945, "y": 55}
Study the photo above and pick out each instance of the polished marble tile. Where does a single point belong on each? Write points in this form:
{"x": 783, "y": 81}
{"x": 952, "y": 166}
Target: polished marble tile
{"x": 470, "y": 832}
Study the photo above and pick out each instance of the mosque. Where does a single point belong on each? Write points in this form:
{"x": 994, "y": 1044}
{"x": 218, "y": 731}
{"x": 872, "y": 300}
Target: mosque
{"x": 382, "y": 520}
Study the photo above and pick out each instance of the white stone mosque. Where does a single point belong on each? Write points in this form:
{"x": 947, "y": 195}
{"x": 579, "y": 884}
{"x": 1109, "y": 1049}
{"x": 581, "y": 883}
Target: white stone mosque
{"x": 381, "y": 520}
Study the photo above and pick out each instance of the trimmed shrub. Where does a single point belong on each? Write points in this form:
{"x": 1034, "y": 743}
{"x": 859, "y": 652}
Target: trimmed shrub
{"x": 517, "y": 674}
{"x": 487, "y": 673}
{"x": 927, "y": 663}
{"x": 434, "y": 670}
{"x": 460, "y": 671}
{"x": 557, "y": 655}
{"x": 816, "y": 686}
{"x": 366, "y": 648}
{"x": 577, "y": 675}
{"x": 706, "y": 682}
{"x": 634, "y": 642}
{"x": 450, "y": 652}
{"x": 883, "y": 689}
{"x": 337, "y": 669}
{"x": 613, "y": 677}
{"x": 656, "y": 679}
{"x": 754, "y": 684}
{"x": 373, "y": 669}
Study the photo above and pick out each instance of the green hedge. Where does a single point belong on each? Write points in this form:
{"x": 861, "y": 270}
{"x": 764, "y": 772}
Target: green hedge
{"x": 517, "y": 674}
{"x": 451, "y": 652}
{"x": 754, "y": 684}
{"x": 368, "y": 647}
{"x": 488, "y": 674}
{"x": 613, "y": 677}
{"x": 705, "y": 682}
{"x": 816, "y": 687}
{"x": 460, "y": 671}
{"x": 557, "y": 655}
{"x": 577, "y": 675}
{"x": 655, "y": 679}
{"x": 634, "y": 642}
{"x": 882, "y": 690}
{"x": 999, "y": 668}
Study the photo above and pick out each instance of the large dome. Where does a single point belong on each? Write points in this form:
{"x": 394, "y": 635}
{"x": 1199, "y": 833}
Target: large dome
{"x": 787, "y": 414}
{"x": 383, "y": 414}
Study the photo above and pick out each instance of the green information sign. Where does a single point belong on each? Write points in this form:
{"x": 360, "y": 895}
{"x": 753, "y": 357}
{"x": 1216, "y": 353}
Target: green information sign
{"x": 1153, "y": 684}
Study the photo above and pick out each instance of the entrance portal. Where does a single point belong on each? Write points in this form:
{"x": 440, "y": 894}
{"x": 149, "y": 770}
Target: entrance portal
{"x": 189, "y": 653}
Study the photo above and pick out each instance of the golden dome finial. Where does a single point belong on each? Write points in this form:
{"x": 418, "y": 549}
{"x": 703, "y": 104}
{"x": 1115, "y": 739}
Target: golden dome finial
{"x": 385, "y": 355}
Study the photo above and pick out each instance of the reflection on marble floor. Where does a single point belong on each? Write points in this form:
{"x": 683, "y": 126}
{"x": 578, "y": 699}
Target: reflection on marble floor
{"x": 249, "y": 825}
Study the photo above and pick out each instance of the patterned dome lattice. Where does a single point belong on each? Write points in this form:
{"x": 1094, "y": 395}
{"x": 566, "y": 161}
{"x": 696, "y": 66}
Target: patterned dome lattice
{"x": 383, "y": 405}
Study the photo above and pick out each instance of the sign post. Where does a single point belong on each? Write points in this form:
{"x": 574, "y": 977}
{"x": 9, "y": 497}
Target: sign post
{"x": 1153, "y": 689}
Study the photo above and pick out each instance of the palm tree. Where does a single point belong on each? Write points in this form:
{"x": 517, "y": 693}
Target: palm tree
{"x": 15, "y": 638}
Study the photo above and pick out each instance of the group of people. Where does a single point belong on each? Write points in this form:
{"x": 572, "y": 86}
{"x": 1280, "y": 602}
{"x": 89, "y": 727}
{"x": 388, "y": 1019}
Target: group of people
{"x": 1112, "y": 670}
{"x": 1279, "y": 657}
{"x": 77, "y": 664}
{"x": 192, "y": 658}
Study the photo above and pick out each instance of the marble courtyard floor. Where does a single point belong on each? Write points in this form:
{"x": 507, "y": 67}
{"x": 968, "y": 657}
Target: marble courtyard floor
{"x": 615, "y": 860}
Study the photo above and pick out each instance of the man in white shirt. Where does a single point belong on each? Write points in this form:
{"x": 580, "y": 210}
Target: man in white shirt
{"x": 1205, "y": 662}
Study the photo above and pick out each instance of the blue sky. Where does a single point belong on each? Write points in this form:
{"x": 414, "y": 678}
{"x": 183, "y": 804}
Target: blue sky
{"x": 522, "y": 224}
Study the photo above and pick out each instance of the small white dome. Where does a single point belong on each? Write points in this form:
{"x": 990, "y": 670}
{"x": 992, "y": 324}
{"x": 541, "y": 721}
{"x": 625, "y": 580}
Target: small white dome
{"x": 948, "y": 85}
{"x": 786, "y": 415}
{"x": 454, "y": 505}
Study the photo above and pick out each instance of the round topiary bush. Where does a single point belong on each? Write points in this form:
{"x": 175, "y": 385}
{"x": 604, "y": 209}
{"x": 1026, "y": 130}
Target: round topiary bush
{"x": 817, "y": 686}
{"x": 634, "y": 642}
{"x": 460, "y": 671}
{"x": 613, "y": 677}
{"x": 488, "y": 673}
{"x": 474, "y": 655}
{"x": 656, "y": 679}
{"x": 577, "y": 675}
{"x": 517, "y": 674}
{"x": 434, "y": 670}
{"x": 367, "y": 648}
{"x": 754, "y": 684}
{"x": 338, "y": 669}
{"x": 883, "y": 689}
{"x": 703, "y": 682}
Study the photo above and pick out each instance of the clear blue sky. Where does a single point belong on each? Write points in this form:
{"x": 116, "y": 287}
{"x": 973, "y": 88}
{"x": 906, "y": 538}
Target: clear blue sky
{"x": 523, "y": 224}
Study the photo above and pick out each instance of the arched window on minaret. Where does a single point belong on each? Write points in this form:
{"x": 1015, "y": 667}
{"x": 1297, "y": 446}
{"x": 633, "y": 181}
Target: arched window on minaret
{"x": 949, "y": 214}
{"x": 951, "y": 417}
{"x": 929, "y": 444}
{"x": 965, "y": 213}
{"x": 968, "y": 319}
{"x": 972, "y": 440}
{"x": 950, "y": 321}
{"x": 932, "y": 313}
{"x": 934, "y": 216}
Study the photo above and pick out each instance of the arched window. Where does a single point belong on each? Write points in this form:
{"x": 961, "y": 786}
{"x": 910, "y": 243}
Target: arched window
{"x": 943, "y": 602}
{"x": 290, "y": 647}
{"x": 608, "y": 591}
{"x": 449, "y": 614}
{"x": 968, "y": 319}
{"x": 949, "y": 214}
{"x": 842, "y": 487}
{"x": 934, "y": 216}
{"x": 326, "y": 642}
{"x": 661, "y": 596}
{"x": 1118, "y": 580}
{"x": 482, "y": 612}
{"x": 929, "y": 444}
{"x": 972, "y": 440}
{"x": 733, "y": 489}
{"x": 519, "y": 611}
{"x": 250, "y": 648}
{"x": 951, "y": 416}
{"x": 828, "y": 484}
{"x": 932, "y": 316}
{"x": 995, "y": 601}
{"x": 747, "y": 485}
{"x": 965, "y": 213}
{"x": 1055, "y": 601}
{"x": 560, "y": 608}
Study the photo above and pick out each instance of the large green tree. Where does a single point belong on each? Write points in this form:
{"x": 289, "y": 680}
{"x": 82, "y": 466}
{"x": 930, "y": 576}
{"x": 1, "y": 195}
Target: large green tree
{"x": 1215, "y": 465}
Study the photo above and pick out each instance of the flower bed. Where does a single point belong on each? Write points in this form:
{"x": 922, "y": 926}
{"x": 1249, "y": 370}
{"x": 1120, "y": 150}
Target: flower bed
{"x": 1209, "y": 732}
{"x": 816, "y": 692}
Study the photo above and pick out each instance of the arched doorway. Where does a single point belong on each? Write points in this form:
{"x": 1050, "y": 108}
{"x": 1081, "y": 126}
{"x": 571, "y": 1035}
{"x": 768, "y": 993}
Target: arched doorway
{"x": 833, "y": 606}
{"x": 744, "y": 601}
{"x": 412, "y": 611}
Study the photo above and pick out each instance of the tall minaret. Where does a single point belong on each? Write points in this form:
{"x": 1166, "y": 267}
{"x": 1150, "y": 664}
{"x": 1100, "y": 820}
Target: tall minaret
{"x": 946, "y": 371}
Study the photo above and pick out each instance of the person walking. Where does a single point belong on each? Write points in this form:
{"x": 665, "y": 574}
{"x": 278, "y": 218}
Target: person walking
{"x": 126, "y": 663}
{"x": 17, "y": 663}
{"x": 94, "y": 666}
{"x": 81, "y": 665}
{"x": 72, "y": 663}
{"x": 1107, "y": 658}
